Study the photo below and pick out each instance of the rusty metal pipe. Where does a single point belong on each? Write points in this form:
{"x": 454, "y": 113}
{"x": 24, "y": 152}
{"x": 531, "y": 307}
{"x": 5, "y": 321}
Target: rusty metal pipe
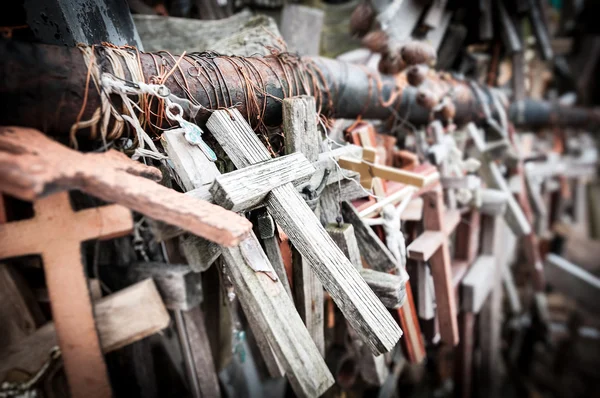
{"x": 42, "y": 86}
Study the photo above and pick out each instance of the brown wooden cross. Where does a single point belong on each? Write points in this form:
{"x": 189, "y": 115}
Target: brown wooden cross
{"x": 56, "y": 232}
{"x": 32, "y": 165}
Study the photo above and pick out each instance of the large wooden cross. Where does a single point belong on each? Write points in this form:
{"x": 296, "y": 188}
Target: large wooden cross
{"x": 284, "y": 342}
{"x": 56, "y": 232}
{"x": 362, "y": 308}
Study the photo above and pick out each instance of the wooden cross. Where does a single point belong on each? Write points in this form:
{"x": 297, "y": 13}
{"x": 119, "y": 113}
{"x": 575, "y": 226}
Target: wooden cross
{"x": 437, "y": 229}
{"x": 33, "y": 165}
{"x": 114, "y": 314}
{"x": 362, "y": 308}
{"x": 56, "y": 232}
{"x": 368, "y": 170}
{"x": 284, "y": 342}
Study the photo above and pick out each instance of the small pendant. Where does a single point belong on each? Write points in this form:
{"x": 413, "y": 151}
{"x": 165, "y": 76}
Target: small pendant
{"x": 193, "y": 135}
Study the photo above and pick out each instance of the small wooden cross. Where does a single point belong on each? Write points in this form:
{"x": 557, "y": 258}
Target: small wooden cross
{"x": 362, "y": 308}
{"x": 56, "y": 232}
{"x": 368, "y": 170}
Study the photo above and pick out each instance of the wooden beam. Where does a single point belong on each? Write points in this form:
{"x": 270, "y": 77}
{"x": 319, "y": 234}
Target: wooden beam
{"x": 300, "y": 126}
{"x": 267, "y": 302}
{"x": 301, "y": 135}
{"x": 246, "y": 188}
{"x": 345, "y": 239}
{"x": 123, "y": 317}
{"x": 491, "y": 174}
{"x": 425, "y": 245}
{"x": 110, "y": 176}
{"x": 203, "y": 366}
{"x": 362, "y": 308}
{"x": 478, "y": 283}
{"x": 389, "y": 288}
{"x": 440, "y": 269}
{"x": 372, "y": 250}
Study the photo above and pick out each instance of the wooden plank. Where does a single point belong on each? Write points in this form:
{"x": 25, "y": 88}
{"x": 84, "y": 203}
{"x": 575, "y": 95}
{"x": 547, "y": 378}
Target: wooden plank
{"x": 425, "y": 291}
{"x": 467, "y": 237}
{"x": 434, "y": 14}
{"x": 345, "y": 239}
{"x": 464, "y": 368}
{"x": 425, "y": 245}
{"x": 491, "y": 174}
{"x": 300, "y": 124}
{"x": 309, "y": 299}
{"x": 358, "y": 303}
{"x": 267, "y": 232}
{"x": 245, "y": 188}
{"x": 199, "y": 252}
{"x": 191, "y": 158}
{"x": 478, "y": 283}
{"x": 389, "y": 288}
{"x": 440, "y": 269}
{"x": 123, "y": 317}
{"x": 203, "y": 365}
{"x": 573, "y": 281}
{"x": 301, "y": 135}
{"x": 266, "y": 301}
{"x": 372, "y": 250}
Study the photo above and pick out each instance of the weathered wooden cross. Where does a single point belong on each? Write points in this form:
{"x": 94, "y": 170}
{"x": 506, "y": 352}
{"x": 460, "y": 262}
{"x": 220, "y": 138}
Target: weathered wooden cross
{"x": 359, "y": 304}
{"x": 56, "y": 232}
{"x": 284, "y": 342}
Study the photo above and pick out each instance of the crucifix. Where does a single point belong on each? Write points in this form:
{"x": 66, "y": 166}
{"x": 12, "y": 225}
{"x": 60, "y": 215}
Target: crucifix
{"x": 56, "y": 232}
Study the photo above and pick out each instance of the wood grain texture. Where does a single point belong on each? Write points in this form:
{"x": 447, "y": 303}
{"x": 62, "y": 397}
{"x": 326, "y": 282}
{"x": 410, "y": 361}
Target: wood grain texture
{"x": 270, "y": 306}
{"x": 204, "y": 367}
{"x": 345, "y": 239}
{"x": 388, "y": 287}
{"x": 433, "y": 220}
{"x": 467, "y": 237}
{"x": 477, "y": 284}
{"x": 373, "y": 251}
{"x": 356, "y": 300}
{"x": 245, "y": 188}
{"x": 309, "y": 299}
{"x": 39, "y": 166}
{"x": 267, "y": 231}
{"x": 199, "y": 252}
{"x": 301, "y": 135}
{"x": 300, "y": 123}
{"x": 123, "y": 318}
{"x": 280, "y": 333}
